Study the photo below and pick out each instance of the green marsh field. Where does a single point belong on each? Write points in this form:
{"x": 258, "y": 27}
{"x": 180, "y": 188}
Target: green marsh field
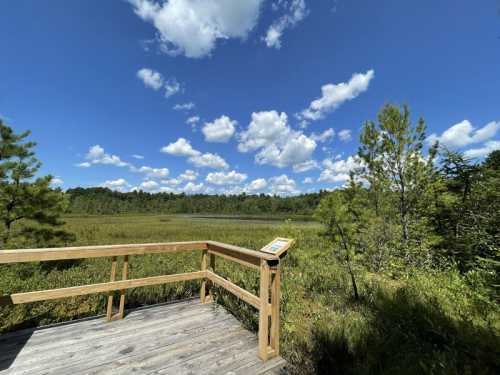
{"x": 413, "y": 323}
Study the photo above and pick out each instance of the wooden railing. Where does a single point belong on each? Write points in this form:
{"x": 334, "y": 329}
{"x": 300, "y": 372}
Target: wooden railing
{"x": 267, "y": 303}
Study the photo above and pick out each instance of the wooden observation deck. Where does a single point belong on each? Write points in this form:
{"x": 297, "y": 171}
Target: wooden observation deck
{"x": 188, "y": 337}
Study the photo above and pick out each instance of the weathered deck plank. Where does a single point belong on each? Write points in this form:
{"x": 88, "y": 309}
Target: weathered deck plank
{"x": 179, "y": 338}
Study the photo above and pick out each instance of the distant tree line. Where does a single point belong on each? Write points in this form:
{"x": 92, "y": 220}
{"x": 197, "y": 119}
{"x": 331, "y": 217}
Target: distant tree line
{"x": 105, "y": 201}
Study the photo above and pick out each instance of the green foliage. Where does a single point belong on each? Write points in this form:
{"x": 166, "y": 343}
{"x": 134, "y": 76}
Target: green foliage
{"x": 29, "y": 208}
{"x": 468, "y": 214}
{"x": 344, "y": 217}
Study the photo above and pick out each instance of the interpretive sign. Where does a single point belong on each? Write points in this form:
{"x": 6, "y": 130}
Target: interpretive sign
{"x": 278, "y": 246}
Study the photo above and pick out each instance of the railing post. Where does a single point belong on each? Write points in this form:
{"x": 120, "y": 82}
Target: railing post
{"x": 209, "y": 285}
{"x": 109, "y": 311}
{"x": 121, "y": 308}
{"x": 121, "y": 311}
{"x": 205, "y": 294}
{"x": 264, "y": 311}
{"x": 275, "y": 310}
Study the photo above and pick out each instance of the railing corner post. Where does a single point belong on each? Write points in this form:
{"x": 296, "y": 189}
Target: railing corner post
{"x": 264, "y": 310}
{"x": 275, "y": 310}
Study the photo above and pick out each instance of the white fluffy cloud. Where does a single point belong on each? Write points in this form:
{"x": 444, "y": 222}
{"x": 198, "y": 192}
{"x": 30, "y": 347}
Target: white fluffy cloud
{"x": 282, "y": 185}
{"x": 192, "y": 28}
{"x": 334, "y": 95}
{"x": 339, "y": 166}
{"x": 257, "y": 184}
{"x": 192, "y": 188}
{"x": 167, "y": 189}
{"x": 95, "y": 152}
{"x": 174, "y": 187}
{"x": 273, "y": 37}
{"x": 277, "y": 143}
{"x": 266, "y": 127}
{"x": 118, "y": 185}
{"x": 229, "y": 178}
{"x": 308, "y": 180}
{"x": 325, "y": 136}
{"x": 295, "y": 11}
{"x": 151, "y": 78}
{"x": 184, "y": 107}
{"x": 181, "y": 147}
{"x": 154, "y": 80}
{"x": 154, "y": 172}
{"x": 296, "y": 151}
{"x": 97, "y": 155}
{"x": 305, "y": 166}
{"x": 189, "y": 188}
{"x": 220, "y": 130}
{"x": 172, "y": 87}
{"x": 488, "y": 147}
{"x": 149, "y": 185}
{"x": 188, "y": 175}
{"x": 115, "y": 183}
{"x": 253, "y": 187}
{"x": 171, "y": 182}
{"x": 208, "y": 160}
{"x": 329, "y": 176}
{"x": 463, "y": 134}
{"x": 193, "y": 120}
{"x": 338, "y": 171}
{"x": 345, "y": 135}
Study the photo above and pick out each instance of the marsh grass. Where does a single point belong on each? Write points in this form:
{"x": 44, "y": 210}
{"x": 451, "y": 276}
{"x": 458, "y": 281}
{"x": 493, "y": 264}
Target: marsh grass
{"x": 425, "y": 322}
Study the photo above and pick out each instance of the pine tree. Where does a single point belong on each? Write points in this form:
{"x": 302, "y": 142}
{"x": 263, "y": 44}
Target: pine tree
{"x": 393, "y": 162}
{"x": 29, "y": 209}
{"x": 343, "y": 218}
{"x": 470, "y": 215}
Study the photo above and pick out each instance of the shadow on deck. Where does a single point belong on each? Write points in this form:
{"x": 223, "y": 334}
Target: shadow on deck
{"x": 179, "y": 338}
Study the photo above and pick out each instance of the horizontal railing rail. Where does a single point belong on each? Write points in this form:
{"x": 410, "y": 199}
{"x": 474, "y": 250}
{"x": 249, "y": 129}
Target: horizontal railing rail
{"x": 80, "y": 252}
{"x": 268, "y": 265}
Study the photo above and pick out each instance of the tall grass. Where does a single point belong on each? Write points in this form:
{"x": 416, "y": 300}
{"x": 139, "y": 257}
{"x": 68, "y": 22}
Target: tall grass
{"x": 426, "y": 322}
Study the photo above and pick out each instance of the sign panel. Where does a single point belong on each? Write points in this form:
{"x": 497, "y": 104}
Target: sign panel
{"x": 278, "y": 246}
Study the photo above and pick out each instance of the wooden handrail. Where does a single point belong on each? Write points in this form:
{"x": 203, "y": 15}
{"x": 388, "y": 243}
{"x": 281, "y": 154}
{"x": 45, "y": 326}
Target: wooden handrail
{"x": 66, "y": 253}
{"x": 268, "y": 265}
{"x": 80, "y": 252}
{"x": 214, "y": 245}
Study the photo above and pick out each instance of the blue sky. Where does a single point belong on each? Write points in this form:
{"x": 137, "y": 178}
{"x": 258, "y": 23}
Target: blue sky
{"x": 279, "y": 89}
